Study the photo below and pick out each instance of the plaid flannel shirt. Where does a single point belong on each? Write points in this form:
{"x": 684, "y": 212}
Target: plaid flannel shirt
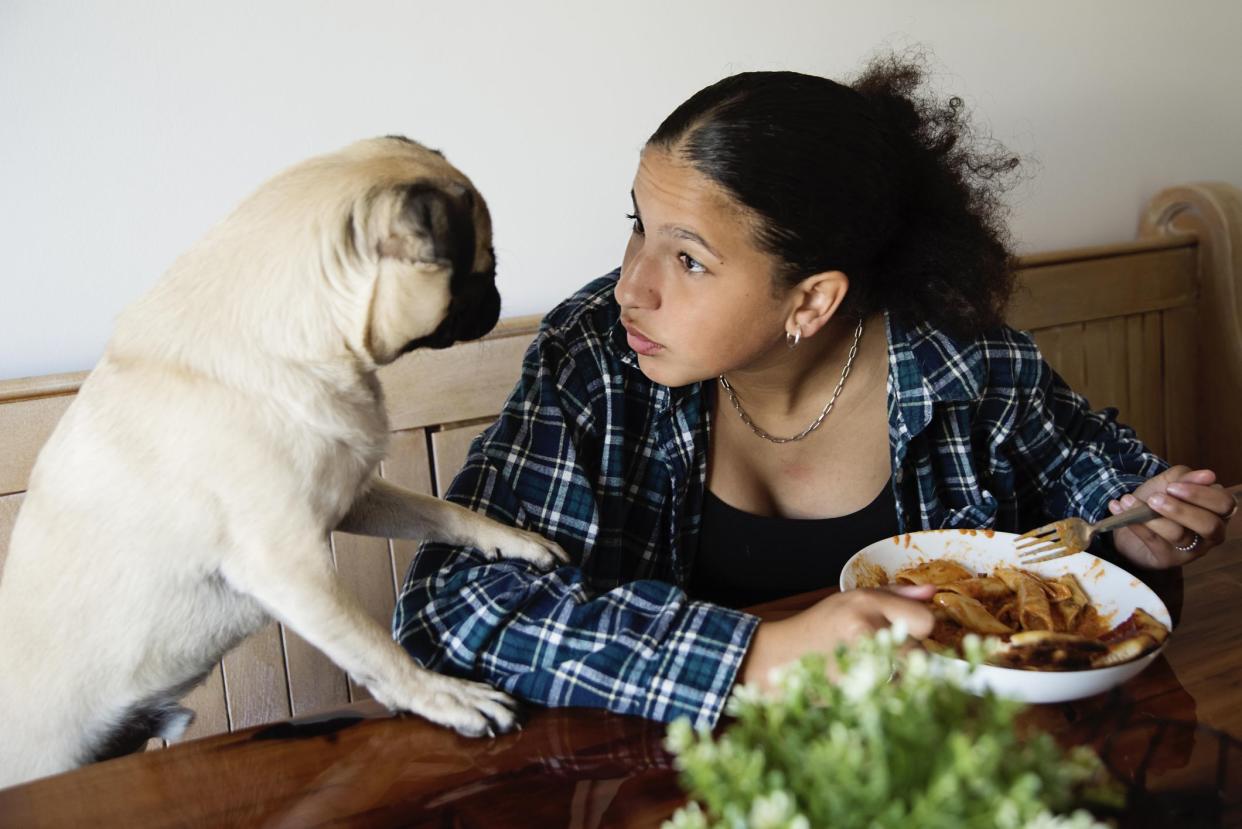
{"x": 589, "y": 452}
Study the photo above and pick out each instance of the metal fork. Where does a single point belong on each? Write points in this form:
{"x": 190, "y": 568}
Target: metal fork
{"x": 1073, "y": 535}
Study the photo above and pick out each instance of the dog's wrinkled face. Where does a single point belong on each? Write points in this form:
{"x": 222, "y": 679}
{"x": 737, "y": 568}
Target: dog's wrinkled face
{"x": 431, "y": 231}
{"x": 444, "y": 215}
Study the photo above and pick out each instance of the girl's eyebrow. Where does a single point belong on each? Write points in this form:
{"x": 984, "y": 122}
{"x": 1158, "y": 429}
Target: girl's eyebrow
{"x": 687, "y": 233}
{"x": 680, "y": 232}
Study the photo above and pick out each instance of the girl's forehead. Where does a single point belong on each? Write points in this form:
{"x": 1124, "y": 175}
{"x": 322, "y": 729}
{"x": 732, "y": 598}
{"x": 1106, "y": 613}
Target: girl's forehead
{"x": 674, "y": 183}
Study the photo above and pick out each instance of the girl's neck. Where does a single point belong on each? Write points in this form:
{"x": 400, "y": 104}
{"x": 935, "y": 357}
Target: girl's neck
{"x": 790, "y": 383}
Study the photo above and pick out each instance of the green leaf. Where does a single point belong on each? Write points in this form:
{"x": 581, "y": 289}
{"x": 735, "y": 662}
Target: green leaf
{"x": 891, "y": 744}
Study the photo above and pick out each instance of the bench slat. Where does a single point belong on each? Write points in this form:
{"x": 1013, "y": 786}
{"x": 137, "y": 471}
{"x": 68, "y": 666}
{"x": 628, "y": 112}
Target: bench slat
{"x": 449, "y": 449}
{"x": 207, "y": 701}
{"x": 26, "y": 425}
{"x": 1145, "y": 405}
{"x": 1181, "y": 393}
{"x": 1062, "y": 347}
{"x": 255, "y": 683}
{"x": 365, "y": 568}
{"x": 409, "y": 465}
{"x": 9, "y": 505}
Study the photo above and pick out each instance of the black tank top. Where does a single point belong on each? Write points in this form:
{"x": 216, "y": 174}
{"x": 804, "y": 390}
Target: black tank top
{"x": 745, "y": 559}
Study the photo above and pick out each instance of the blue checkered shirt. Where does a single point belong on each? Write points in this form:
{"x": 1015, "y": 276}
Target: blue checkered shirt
{"x": 589, "y": 452}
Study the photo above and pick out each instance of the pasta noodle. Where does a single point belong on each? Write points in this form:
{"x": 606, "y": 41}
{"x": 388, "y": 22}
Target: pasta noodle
{"x": 1045, "y": 624}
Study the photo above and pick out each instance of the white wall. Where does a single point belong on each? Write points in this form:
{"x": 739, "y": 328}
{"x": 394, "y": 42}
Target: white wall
{"x": 127, "y": 128}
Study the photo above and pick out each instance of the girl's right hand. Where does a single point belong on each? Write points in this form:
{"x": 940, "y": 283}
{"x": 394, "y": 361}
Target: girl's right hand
{"x": 838, "y": 619}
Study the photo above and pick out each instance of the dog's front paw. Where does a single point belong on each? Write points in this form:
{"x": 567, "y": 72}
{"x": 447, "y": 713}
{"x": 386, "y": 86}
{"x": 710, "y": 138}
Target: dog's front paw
{"x": 510, "y": 542}
{"x": 472, "y": 709}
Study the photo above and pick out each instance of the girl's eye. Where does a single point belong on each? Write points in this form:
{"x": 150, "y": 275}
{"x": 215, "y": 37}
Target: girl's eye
{"x": 691, "y": 264}
{"x": 638, "y": 223}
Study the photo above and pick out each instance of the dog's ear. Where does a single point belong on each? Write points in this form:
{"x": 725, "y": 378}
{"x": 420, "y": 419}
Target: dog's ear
{"x": 427, "y": 254}
{"x": 435, "y": 223}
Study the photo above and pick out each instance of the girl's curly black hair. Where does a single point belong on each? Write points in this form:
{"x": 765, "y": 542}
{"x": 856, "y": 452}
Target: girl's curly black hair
{"x": 877, "y": 179}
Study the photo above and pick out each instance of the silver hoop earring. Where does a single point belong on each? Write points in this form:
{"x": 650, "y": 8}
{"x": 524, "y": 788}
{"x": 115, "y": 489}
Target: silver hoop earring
{"x": 792, "y": 340}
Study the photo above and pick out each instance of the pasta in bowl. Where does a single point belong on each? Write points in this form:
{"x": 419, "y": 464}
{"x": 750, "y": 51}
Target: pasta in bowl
{"x": 1071, "y": 628}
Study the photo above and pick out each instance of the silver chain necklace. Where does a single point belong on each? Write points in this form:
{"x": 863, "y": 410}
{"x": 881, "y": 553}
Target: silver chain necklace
{"x": 845, "y": 372}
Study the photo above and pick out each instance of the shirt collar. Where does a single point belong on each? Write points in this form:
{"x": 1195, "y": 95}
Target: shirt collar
{"x": 928, "y": 366}
{"x": 618, "y": 344}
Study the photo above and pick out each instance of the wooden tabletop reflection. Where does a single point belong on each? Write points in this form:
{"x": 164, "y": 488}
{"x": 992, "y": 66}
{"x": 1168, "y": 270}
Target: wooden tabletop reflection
{"x": 1172, "y": 735}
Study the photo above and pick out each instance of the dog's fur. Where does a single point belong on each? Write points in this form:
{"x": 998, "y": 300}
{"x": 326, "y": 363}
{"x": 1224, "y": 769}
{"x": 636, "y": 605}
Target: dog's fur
{"x": 233, "y": 422}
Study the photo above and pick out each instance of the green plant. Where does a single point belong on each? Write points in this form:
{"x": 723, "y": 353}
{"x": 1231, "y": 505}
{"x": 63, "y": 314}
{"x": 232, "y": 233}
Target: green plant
{"x": 893, "y": 743}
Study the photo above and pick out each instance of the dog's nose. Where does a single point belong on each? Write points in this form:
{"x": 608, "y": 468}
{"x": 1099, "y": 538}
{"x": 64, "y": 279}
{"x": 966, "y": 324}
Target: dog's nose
{"x": 477, "y": 306}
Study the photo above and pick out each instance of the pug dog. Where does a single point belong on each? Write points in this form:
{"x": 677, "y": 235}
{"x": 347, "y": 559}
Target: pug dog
{"x": 235, "y": 420}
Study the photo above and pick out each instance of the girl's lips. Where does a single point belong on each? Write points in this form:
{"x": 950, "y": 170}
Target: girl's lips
{"x": 640, "y": 343}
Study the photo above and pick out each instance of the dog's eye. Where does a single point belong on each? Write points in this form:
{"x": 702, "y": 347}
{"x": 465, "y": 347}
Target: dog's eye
{"x": 638, "y": 223}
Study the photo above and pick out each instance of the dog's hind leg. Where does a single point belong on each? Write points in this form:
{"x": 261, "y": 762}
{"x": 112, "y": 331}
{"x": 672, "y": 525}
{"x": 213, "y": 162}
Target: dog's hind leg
{"x": 301, "y": 589}
{"x": 160, "y": 718}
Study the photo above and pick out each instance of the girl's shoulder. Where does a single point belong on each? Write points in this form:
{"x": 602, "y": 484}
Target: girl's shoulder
{"x": 591, "y": 310}
{"x": 580, "y": 346}
{"x": 585, "y": 329}
{"x": 1000, "y": 360}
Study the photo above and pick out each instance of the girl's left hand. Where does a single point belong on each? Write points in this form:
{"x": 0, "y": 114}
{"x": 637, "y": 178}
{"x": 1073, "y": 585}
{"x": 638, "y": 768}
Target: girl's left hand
{"x": 1195, "y": 510}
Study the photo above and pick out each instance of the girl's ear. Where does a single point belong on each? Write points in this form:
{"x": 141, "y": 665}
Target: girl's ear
{"x": 816, "y": 299}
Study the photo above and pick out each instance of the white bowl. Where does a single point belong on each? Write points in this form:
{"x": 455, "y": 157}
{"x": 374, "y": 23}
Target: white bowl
{"x": 1113, "y": 591}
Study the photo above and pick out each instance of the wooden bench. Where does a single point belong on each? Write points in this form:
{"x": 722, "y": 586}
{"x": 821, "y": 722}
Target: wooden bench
{"x": 1153, "y": 327}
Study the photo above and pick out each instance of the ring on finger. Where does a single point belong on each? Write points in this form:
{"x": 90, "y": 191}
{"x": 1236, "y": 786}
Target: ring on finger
{"x": 1227, "y": 517}
{"x": 1195, "y": 541}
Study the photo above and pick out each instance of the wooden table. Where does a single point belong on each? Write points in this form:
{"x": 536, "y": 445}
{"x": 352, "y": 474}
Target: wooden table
{"x": 1173, "y": 735}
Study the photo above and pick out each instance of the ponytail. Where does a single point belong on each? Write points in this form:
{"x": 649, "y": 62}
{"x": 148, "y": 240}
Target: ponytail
{"x": 952, "y": 253}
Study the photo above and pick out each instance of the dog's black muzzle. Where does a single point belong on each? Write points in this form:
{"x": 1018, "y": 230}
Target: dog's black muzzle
{"x": 473, "y": 311}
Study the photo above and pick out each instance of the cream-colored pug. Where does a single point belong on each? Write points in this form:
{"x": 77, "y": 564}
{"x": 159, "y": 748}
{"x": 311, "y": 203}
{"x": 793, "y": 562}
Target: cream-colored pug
{"x": 234, "y": 421}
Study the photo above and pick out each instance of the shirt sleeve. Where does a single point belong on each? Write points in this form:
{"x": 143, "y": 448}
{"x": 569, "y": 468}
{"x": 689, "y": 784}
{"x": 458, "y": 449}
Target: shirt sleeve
{"x": 641, "y": 648}
{"x": 1078, "y": 458}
